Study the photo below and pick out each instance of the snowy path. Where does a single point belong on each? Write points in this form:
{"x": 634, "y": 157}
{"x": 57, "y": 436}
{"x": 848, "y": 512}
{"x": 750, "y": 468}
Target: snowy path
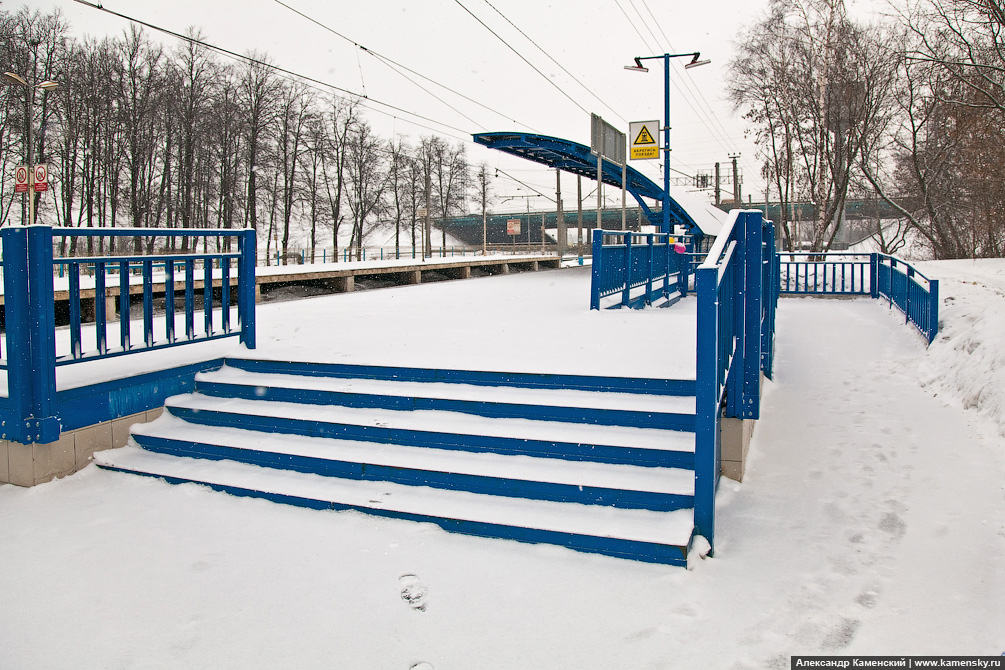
{"x": 871, "y": 521}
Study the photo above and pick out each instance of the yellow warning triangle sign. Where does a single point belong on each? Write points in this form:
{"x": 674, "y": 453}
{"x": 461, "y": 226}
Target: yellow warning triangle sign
{"x": 644, "y": 137}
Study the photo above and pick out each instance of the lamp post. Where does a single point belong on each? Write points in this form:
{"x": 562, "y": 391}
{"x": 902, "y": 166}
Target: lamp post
{"x": 29, "y": 99}
{"x": 638, "y": 67}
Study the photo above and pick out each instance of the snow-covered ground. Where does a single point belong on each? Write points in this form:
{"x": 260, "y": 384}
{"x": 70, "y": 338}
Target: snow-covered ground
{"x": 871, "y": 519}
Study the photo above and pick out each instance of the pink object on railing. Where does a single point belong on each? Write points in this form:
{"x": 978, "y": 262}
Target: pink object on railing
{"x": 679, "y": 248}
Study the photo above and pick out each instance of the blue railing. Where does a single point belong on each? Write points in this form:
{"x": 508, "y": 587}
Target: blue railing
{"x": 874, "y": 275}
{"x": 913, "y": 293}
{"x": 804, "y": 273}
{"x": 96, "y": 285}
{"x": 737, "y": 294}
{"x": 624, "y": 262}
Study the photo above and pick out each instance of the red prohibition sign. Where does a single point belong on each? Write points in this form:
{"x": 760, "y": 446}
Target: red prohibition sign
{"x": 21, "y": 176}
{"x": 41, "y": 174}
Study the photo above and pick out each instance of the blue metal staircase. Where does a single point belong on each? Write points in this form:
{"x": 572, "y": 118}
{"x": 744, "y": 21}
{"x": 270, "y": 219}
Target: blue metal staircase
{"x": 595, "y": 464}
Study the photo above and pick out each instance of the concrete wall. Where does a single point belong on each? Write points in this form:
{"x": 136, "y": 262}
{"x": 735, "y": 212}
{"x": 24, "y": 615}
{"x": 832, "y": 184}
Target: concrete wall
{"x": 31, "y": 464}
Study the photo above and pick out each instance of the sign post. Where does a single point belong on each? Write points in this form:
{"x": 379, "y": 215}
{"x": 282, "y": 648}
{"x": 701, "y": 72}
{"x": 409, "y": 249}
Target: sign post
{"x": 606, "y": 141}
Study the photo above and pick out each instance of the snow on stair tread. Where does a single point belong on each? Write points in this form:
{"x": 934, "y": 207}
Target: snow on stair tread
{"x": 443, "y": 421}
{"x": 526, "y": 468}
{"x": 666, "y": 528}
{"x": 638, "y": 402}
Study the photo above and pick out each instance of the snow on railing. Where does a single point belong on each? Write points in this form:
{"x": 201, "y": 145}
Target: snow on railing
{"x": 737, "y": 291}
{"x": 625, "y": 261}
{"x": 29, "y": 277}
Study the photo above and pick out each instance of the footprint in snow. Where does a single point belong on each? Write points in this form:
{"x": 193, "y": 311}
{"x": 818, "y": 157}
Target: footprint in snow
{"x": 413, "y": 592}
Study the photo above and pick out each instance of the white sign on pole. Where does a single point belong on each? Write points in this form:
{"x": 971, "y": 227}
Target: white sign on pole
{"x": 21, "y": 179}
{"x": 643, "y": 135}
{"x": 512, "y": 226}
{"x": 41, "y": 177}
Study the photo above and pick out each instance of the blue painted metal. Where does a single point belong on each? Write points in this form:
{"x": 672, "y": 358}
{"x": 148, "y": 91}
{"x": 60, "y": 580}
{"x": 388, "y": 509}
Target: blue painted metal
{"x": 874, "y": 275}
{"x": 622, "y": 385}
{"x": 633, "y": 550}
{"x": 417, "y": 476}
{"x": 574, "y": 451}
{"x": 578, "y": 159}
{"x": 806, "y": 273}
{"x": 96, "y": 403}
{"x": 643, "y": 385}
{"x": 30, "y": 376}
{"x": 914, "y": 294}
{"x": 497, "y": 409}
{"x": 622, "y": 265}
{"x": 32, "y": 412}
{"x": 246, "y": 244}
{"x": 735, "y": 326}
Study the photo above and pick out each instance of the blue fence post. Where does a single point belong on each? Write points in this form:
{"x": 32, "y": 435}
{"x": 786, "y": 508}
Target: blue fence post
{"x": 626, "y": 294}
{"x": 598, "y": 246}
{"x": 685, "y": 266}
{"x": 652, "y": 268}
{"x": 246, "y": 245}
{"x": 31, "y": 324}
{"x": 753, "y": 309}
{"x": 933, "y": 310}
{"x": 735, "y": 379}
{"x": 874, "y": 275}
{"x": 707, "y": 437}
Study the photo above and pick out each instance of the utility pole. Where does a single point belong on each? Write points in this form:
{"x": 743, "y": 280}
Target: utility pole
{"x": 427, "y": 248}
{"x": 718, "y": 180}
{"x": 579, "y": 215}
{"x": 737, "y": 197}
{"x": 560, "y": 222}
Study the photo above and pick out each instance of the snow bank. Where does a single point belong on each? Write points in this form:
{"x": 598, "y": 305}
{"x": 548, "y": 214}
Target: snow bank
{"x": 967, "y": 359}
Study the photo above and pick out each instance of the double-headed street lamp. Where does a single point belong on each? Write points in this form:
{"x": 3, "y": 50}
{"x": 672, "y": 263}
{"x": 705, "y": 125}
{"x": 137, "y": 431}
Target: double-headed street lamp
{"x": 29, "y": 98}
{"x": 638, "y": 67}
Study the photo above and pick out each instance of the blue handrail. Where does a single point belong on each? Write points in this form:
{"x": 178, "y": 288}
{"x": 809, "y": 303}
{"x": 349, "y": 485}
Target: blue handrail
{"x": 624, "y": 261}
{"x": 737, "y": 294}
{"x": 31, "y": 409}
{"x": 876, "y": 275}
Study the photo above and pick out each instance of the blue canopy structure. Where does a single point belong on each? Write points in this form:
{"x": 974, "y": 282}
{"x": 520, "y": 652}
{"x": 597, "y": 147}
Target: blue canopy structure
{"x": 578, "y": 159}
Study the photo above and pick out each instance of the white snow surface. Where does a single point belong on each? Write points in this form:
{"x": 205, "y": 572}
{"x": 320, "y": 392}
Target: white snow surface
{"x": 870, "y": 520}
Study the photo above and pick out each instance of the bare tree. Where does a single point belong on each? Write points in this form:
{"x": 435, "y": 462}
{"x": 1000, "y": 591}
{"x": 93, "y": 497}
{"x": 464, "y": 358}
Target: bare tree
{"x": 257, "y": 99}
{"x": 293, "y": 114}
{"x": 815, "y": 83}
{"x": 367, "y": 180}
{"x": 343, "y": 119}
{"x": 398, "y": 173}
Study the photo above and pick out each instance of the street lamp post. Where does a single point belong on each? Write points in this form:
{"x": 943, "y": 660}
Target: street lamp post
{"x": 638, "y": 67}
{"x": 29, "y": 99}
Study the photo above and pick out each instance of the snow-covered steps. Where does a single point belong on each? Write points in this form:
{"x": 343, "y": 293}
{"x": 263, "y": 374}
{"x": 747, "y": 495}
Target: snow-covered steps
{"x": 444, "y": 430}
{"x": 551, "y": 404}
{"x": 625, "y": 486}
{"x": 498, "y": 454}
{"x": 661, "y": 537}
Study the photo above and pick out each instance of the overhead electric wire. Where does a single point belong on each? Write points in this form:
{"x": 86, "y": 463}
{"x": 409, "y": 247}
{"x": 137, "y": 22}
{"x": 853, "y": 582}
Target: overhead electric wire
{"x": 277, "y": 68}
{"x": 690, "y": 97}
{"x": 553, "y": 60}
{"x": 523, "y": 58}
{"x": 391, "y": 62}
{"x": 724, "y": 138}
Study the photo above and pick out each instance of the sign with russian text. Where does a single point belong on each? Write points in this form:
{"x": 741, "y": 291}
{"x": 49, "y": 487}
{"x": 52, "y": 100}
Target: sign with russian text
{"x": 512, "y": 226}
{"x": 41, "y": 177}
{"x": 644, "y": 144}
{"x": 21, "y": 179}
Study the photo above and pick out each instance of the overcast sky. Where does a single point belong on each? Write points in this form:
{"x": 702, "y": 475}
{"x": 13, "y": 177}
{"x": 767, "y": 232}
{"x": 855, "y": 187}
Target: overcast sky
{"x": 441, "y": 39}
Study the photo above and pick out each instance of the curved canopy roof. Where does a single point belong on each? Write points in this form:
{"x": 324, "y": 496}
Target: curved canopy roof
{"x": 578, "y": 159}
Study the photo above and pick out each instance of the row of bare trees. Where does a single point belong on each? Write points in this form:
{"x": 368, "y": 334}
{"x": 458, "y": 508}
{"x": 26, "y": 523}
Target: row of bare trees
{"x": 144, "y": 136}
{"x": 909, "y": 110}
